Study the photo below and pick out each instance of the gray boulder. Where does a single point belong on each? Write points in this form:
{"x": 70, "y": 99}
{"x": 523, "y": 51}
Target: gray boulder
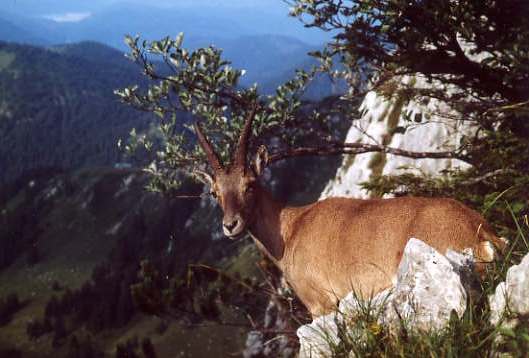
{"x": 254, "y": 344}
{"x": 268, "y": 342}
{"x": 317, "y": 338}
{"x": 511, "y": 296}
{"x": 428, "y": 288}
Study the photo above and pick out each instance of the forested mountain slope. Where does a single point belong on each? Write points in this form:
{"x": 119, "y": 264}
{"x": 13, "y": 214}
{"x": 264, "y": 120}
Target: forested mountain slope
{"x": 57, "y": 107}
{"x": 82, "y": 235}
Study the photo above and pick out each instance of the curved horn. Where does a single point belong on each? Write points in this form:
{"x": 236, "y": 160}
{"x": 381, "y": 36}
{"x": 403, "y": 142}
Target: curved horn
{"x": 213, "y": 158}
{"x": 242, "y": 145}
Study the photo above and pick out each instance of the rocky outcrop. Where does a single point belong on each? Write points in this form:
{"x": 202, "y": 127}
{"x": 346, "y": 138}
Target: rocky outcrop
{"x": 400, "y": 123}
{"x": 429, "y": 287}
{"x": 254, "y": 346}
{"x": 511, "y": 298}
{"x": 267, "y": 343}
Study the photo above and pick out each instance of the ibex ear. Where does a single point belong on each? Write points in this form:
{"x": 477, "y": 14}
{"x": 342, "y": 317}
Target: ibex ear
{"x": 261, "y": 160}
{"x": 203, "y": 177}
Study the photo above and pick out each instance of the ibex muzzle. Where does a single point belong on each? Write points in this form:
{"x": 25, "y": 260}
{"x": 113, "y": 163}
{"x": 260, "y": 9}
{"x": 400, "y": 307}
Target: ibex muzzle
{"x": 235, "y": 191}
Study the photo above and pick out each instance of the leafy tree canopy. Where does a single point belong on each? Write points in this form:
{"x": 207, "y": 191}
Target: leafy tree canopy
{"x": 477, "y": 48}
{"x": 202, "y": 83}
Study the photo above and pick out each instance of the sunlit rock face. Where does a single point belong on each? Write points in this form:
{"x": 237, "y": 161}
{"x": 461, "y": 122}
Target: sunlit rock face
{"x": 428, "y": 289}
{"x": 429, "y": 127}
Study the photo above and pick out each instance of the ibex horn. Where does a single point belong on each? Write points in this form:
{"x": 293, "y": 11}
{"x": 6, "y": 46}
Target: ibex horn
{"x": 242, "y": 145}
{"x": 213, "y": 159}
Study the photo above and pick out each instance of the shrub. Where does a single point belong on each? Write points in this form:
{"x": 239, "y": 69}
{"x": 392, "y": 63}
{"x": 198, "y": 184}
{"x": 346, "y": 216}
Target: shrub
{"x": 36, "y": 328}
{"x": 8, "y": 307}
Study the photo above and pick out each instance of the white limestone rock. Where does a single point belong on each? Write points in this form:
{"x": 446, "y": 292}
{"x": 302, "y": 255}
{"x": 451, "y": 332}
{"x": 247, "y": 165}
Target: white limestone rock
{"x": 277, "y": 318}
{"x": 498, "y": 303}
{"x": 254, "y": 344}
{"x": 349, "y": 305}
{"x": 435, "y": 132}
{"x": 513, "y": 294}
{"x": 463, "y": 263}
{"x": 316, "y": 338}
{"x": 428, "y": 288}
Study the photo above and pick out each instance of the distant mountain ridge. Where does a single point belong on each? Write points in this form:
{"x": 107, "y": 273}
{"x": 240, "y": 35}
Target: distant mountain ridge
{"x": 10, "y": 32}
{"x": 58, "y": 109}
{"x": 203, "y": 22}
{"x": 257, "y": 36}
{"x": 266, "y": 57}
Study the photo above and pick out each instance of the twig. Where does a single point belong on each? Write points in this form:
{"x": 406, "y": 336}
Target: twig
{"x": 510, "y": 107}
{"x": 187, "y": 196}
{"x": 484, "y": 177}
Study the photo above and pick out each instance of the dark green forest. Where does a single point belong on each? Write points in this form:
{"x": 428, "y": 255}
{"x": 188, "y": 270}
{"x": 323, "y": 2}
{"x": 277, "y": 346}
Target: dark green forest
{"x": 58, "y": 109}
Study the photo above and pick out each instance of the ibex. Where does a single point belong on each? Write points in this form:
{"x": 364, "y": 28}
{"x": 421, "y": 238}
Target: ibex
{"x": 330, "y": 247}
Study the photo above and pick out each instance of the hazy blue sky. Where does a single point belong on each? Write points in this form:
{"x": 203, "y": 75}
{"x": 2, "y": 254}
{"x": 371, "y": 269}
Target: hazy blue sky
{"x": 144, "y": 16}
{"x": 61, "y": 6}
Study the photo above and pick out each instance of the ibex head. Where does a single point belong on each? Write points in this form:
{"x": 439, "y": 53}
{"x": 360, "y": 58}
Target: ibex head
{"x": 235, "y": 186}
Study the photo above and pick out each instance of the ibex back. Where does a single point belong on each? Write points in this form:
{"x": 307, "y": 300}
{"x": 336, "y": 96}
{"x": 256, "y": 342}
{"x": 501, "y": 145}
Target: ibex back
{"x": 331, "y": 247}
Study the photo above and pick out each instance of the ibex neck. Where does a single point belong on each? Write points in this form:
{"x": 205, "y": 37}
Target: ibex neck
{"x": 266, "y": 228}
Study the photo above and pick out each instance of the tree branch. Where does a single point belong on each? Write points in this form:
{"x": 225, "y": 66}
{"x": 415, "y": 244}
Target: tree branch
{"x": 486, "y": 176}
{"x": 360, "y": 148}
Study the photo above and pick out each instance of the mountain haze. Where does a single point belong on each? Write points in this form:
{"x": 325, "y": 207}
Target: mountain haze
{"x": 256, "y": 36}
{"x": 13, "y": 33}
{"x": 204, "y": 23}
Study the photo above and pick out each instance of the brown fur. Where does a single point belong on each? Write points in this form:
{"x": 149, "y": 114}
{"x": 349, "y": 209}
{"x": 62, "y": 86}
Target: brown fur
{"x": 338, "y": 244}
{"x": 328, "y": 248}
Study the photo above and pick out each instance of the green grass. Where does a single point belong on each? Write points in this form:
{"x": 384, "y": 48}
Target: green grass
{"x": 178, "y": 340}
{"x": 70, "y": 246}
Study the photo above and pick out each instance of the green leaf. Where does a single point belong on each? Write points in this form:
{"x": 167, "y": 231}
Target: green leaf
{"x": 507, "y": 332}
